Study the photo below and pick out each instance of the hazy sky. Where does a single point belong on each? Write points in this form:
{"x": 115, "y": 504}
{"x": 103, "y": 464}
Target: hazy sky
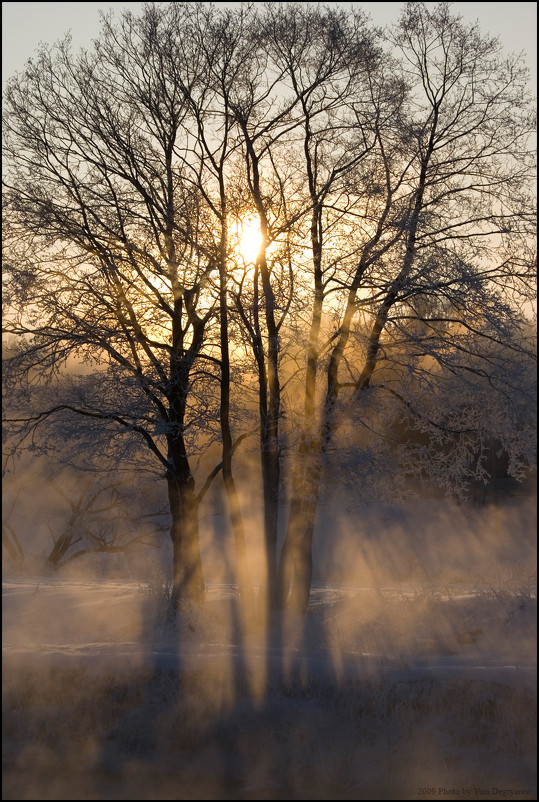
{"x": 24, "y": 25}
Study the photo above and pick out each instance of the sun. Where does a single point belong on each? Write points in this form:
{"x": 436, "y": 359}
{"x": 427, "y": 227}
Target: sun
{"x": 249, "y": 239}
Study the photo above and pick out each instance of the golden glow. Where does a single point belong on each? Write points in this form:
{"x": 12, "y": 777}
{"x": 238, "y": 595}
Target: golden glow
{"x": 247, "y": 239}
{"x": 161, "y": 283}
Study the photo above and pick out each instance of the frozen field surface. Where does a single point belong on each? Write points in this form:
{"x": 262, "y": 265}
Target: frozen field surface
{"x": 404, "y": 692}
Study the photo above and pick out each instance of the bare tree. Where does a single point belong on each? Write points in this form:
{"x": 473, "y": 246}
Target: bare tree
{"x": 10, "y": 540}
{"x": 392, "y": 181}
{"x": 458, "y": 169}
{"x": 109, "y": 258}
{"x": 103, "y": 516}
{"x": 291, "y": 103}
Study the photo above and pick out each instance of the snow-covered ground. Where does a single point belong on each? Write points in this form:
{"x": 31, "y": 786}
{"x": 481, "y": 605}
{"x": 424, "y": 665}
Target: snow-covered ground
{"x": 409, "y": 691}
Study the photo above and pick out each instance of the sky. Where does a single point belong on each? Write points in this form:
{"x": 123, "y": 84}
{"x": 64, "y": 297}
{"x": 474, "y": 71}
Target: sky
{"x": 25, "y": 25}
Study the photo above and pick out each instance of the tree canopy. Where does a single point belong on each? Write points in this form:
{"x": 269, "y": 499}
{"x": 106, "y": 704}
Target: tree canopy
{"x": 387, "y": 179}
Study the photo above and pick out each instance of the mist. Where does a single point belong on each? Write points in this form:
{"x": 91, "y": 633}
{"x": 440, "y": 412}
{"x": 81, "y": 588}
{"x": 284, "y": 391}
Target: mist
{"x": 413, "y": 669}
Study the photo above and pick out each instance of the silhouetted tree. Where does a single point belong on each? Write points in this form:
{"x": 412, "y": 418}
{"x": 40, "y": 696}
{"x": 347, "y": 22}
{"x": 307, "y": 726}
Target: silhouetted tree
{"x": 442, "y": 267}
{"x": 392, "y": 181}
{"x": 109, "y": 257}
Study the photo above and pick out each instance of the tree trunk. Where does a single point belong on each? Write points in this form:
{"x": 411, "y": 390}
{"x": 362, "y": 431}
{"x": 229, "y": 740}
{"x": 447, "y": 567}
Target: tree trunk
{"x": 296, "y": 563}
{"x": 269, "y": 383}
{"x": 12, "y": 544}
{"x": 270, "y": 425}
{"x": 188, "y": 579}
{"x": 270, "y": 473}
{"x": 60, "y": 548}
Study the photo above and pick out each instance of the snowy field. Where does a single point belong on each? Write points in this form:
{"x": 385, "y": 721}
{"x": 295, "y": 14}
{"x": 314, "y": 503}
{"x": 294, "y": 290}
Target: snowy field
{"x": 413, "y": 691}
